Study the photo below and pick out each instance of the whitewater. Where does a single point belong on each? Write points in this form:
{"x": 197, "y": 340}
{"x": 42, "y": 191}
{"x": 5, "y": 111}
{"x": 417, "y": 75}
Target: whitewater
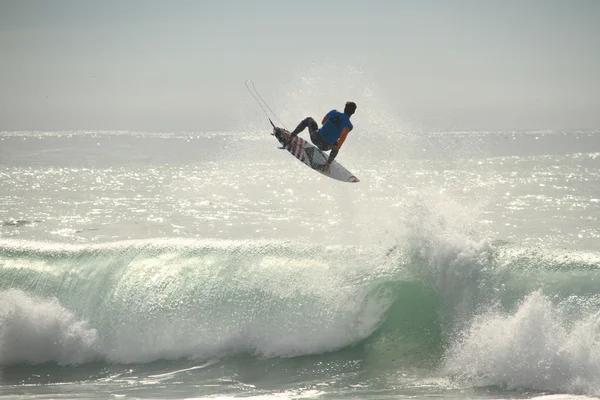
{"x": 213, "y": 265}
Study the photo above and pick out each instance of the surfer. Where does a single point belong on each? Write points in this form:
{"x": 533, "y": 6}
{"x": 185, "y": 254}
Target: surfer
{"x": 333, "y": 133}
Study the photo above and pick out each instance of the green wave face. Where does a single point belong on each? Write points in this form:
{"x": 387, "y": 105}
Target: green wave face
{"x": 143, "y": 301}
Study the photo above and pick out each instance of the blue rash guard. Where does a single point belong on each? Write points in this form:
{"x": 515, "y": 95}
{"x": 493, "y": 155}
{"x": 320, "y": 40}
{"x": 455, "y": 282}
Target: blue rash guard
{"x": 335, "y": 124}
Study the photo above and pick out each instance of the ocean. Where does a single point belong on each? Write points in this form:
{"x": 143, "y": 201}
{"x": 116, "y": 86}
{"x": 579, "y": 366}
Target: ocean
{"x": 167, "y": 265}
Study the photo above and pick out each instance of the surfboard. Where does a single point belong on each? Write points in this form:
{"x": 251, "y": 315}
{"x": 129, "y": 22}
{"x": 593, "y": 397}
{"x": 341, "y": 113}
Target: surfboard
{"x": 312, "y": 156}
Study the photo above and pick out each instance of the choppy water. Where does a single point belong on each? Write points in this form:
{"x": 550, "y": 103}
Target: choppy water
{"x": 178, "y": 265}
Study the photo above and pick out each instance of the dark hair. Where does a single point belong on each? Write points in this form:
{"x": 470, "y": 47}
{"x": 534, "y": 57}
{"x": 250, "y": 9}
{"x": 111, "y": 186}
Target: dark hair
{"x": 350, "y": 107}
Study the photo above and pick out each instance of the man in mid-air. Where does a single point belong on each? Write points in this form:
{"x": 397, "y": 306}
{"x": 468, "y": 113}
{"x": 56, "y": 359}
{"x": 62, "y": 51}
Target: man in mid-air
{"x": 333, "y": 133}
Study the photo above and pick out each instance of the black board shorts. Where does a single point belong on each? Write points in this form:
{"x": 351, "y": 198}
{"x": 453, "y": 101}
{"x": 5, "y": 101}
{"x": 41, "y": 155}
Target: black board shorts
{"x": 317, "y": 139}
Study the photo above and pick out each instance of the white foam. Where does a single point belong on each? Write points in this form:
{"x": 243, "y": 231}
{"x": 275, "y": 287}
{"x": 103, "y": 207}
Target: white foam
{"x": 35, "y": 330}
{"x": 535, "y": 348}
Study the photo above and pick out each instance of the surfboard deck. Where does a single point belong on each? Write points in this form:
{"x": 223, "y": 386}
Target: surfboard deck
{"x": 312, "y": 156}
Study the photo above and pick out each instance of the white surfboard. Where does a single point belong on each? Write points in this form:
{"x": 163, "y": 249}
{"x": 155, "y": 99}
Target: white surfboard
{"x": 312, "y": 156}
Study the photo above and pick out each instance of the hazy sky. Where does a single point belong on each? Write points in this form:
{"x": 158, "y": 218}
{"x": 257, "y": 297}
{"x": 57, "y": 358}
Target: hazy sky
{"x": 181, "y": 65}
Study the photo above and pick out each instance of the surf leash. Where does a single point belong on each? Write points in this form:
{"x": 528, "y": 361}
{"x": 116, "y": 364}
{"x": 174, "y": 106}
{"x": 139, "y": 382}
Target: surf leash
{"x": 262, "y": 103}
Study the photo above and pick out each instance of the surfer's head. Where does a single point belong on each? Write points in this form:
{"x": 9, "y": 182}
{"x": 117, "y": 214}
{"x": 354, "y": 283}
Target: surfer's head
{"x": 350, "y": 108}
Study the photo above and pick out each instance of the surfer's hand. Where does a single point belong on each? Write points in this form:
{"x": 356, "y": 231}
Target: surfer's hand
{"x": 323, "y": 167}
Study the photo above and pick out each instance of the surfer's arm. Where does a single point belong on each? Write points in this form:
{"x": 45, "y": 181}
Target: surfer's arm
{"x": 332, "y": 154}
{"x": 343, "y": 136}
{"x": 324, "y": 119}
{"x": 338, "y": 145}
